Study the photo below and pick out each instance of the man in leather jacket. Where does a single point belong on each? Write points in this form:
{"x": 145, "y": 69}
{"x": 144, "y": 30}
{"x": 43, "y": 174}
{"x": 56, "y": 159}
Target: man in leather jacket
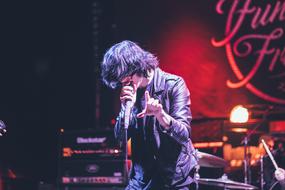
{"x": 162, "y": 151}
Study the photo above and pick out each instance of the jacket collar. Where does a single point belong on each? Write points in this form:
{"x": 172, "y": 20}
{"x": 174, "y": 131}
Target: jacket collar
{"x": 158, "y": 80}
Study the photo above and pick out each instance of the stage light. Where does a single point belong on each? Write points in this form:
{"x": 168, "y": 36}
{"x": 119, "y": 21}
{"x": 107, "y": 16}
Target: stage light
{"x": 239, "y": 114}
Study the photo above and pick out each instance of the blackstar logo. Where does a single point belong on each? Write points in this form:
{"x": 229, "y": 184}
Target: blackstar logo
{"x": 254, "y": 42}
{"x": 91, "y": 140}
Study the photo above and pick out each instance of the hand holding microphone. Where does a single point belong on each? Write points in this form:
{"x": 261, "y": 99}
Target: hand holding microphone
{"x": 128, "y": 94}
{"x": 128, "y": 98}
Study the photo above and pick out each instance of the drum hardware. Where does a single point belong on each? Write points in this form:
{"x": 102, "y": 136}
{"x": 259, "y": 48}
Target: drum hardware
{"x": 197, "y": 176}
{"x": 245, "y": 142}
{"x": 226, "y": 183}
{"x": 208, "y": 160}
{"x": 265, "y": 111}
{"x": 246, "y": 160}
{"x": 261, "y": 173}
{"x": 274, "y": 184}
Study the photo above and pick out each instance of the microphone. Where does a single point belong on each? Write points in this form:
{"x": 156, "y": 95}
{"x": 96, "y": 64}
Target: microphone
{"x": 127, "y": 115}
{"x": 128, "y": 109}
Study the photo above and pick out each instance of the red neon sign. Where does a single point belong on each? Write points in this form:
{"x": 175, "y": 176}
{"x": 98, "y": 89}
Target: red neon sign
{"x": 258, "y": 47}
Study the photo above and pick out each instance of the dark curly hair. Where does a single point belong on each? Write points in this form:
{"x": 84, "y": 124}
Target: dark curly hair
{"x": 125, "y": 59}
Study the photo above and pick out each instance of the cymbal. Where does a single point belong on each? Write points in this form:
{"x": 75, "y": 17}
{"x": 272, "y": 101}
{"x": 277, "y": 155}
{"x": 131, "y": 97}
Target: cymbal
{"x": 245, "y": 131}
{"x": 225, "y": 183}
{"x": 208, "y": 160}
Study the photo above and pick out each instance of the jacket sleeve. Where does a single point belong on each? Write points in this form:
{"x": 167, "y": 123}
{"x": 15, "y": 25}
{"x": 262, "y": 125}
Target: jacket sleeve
{"x": 119, "y": 126}
{"x": 180, "y": 112}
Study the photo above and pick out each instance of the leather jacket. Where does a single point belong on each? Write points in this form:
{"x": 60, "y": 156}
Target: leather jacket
{"x": 161, "y": 159}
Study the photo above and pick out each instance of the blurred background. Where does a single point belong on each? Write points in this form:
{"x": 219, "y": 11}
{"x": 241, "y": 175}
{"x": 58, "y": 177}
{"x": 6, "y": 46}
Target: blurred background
{"x": 50, "y": 74}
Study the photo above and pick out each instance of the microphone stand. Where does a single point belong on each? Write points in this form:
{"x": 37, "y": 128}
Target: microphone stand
{"x": 127, "y": 117}
{"x": 126, "y": 126}
{"x": 126, "y": 154}
{"x": 245, "y": 141}
{"x": 246, "y": 160}
{"x": 261, "y": 174}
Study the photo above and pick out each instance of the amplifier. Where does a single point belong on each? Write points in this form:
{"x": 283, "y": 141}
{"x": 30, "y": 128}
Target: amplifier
{"x": 68, "y": 187}
{"x": 89, "y": 144}
{"x": 90, "y": 157}
{"x": 93, "y": 172}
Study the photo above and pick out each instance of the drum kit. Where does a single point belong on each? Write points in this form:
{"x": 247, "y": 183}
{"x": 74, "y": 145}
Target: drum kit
{"x": 267, "y": 171}
{"x": 208, "y": 160}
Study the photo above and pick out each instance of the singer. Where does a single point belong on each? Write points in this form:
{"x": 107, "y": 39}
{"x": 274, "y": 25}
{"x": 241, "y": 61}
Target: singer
{"x": 159, "y": 123}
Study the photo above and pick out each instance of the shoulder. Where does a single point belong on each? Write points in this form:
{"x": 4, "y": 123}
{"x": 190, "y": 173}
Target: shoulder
{"x": 173, "y": 80}
{"x": 164, "y": 81}
{"x": 175, "y": 85}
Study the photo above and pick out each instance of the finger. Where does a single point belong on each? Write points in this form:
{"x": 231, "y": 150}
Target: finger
{"x": 142, "y": 114}
{"x": 147, "y": 97}
{"x": 125, "y": 98}
{"x": 126, "y": 93}
{"x": 127, "y": 89}
{"x": 155, "y": 103}
{"x": 150, "y": 101}
{"x": 150, "y": 105}
{"x": 135, "y": 87}
{"x": 159, "y": 108}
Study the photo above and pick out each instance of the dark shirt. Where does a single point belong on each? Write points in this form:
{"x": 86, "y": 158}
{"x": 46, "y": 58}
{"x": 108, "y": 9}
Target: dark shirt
{"x": 161, "y": 159}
